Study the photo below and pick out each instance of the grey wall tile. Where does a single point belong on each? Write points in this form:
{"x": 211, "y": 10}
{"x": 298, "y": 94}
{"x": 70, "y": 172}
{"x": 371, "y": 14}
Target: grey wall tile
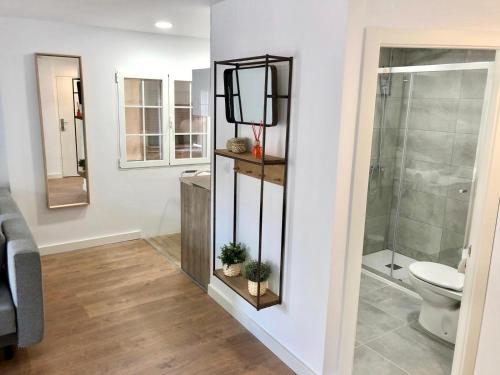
{"x": 375, "y": 234}
{"x": 456, "y": 215}
{"x": 396, "y": 85}
{"x": 423, "y": 207}
{"x": 433, "y": 85}
{"x": 419, "y": 236}
{"x": 431, "y": 56}
{"x": 384, "y": 177}
{"x": 475, "y": 55}
{"x": 417, "y": 255}
{"x": 395, "y": 110}
{"x": 379, "y": 202}
{"x": 433, "y": 114}
{"x": 436, "y": 147}
{"x": 452, "y": 240}
{"x": 452, "y": 244}
{"x": 459, "y": 188}
{"x": 461, "y": 171}
{"x": 389, "y": 142}
{"x": 469, "y": 116}
{"x": 473, "y": 84}
{"x": 426, "y": 176}
{"x": 464, "y": 150}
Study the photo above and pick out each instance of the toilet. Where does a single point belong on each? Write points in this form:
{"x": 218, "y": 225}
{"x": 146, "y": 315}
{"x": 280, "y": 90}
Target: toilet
{"x": 440, "y": 287}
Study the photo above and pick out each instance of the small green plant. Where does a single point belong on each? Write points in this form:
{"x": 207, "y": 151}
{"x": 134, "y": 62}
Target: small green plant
{"x": 251, "y": 271}
{"x": 233, "y": 253}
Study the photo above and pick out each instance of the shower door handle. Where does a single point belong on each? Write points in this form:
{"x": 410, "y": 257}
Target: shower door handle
{"x": 63, "y": 128}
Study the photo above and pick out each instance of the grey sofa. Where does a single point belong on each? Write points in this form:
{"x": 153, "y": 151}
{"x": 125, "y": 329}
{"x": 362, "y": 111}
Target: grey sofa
{"x": 21, "y": 298}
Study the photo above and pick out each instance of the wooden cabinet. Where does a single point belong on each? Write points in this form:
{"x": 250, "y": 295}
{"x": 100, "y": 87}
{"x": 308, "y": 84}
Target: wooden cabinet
{"x": 195, "y": 228}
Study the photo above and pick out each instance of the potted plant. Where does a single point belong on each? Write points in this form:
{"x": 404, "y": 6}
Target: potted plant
{"x": 232, "y": 255}
{"x": 251, "y": 274}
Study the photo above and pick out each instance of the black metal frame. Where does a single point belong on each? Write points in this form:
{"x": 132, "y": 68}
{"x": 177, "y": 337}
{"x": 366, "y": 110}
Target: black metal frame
{"x": 256, "y": 61}
{"x": 230, "y": 95}
{"x": 79, "y": 97}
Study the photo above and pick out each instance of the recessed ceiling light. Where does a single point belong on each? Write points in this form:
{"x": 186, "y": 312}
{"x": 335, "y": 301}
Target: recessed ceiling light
{"x": 163, "y": 25}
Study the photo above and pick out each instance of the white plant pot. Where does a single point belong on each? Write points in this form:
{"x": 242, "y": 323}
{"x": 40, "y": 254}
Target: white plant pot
{"x": 232, "y": 270}
{"x": 253, "y": 287}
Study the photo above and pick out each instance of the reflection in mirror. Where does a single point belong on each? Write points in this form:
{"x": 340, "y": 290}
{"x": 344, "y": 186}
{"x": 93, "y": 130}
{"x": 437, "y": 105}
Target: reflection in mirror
{"x": 62, "y": 117}
{"x": 244, "y": 93}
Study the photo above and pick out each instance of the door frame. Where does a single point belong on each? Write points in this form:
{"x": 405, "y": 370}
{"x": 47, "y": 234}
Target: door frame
{"x": 487, "y": 190}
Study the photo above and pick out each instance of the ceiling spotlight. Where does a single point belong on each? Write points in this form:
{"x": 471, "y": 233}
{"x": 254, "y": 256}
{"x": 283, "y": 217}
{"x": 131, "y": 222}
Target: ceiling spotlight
{"x": 163, "y": 25}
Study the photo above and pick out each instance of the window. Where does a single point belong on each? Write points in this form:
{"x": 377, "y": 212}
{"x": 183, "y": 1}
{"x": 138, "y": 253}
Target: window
{"x": 190, "y": 124}
{"x": 151, "y": 133}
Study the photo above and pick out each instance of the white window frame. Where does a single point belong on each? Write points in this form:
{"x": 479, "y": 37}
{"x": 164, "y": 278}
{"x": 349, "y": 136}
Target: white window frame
{"x": 167, "y": 125}
{"x": 184, "y": 161}
{"x": 123, "y": 162}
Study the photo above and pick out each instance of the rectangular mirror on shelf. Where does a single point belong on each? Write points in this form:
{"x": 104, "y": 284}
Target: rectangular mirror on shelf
{"x": 62, "y": 117}
{"x": 244, "y": 94}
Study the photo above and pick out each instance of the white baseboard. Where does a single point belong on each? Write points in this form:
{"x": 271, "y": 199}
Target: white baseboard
{"x": 54, "y": 175}
{"x": 262, "y": 335}
{"x": 89, "y": 242}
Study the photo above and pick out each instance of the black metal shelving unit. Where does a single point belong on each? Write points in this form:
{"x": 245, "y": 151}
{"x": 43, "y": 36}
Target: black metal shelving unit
{"x": 255, "y": 167}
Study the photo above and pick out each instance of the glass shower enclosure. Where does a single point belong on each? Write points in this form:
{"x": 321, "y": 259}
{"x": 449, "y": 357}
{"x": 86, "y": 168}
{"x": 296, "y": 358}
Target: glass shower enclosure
{"x": 421, "y": 180}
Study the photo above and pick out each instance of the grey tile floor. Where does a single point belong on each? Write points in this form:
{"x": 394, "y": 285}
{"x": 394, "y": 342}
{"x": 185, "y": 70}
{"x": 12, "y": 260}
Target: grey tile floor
{"x": 389, "y": 340}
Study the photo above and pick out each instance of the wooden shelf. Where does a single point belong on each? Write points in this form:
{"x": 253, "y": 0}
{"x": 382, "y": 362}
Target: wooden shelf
{"x": 248, "y": 157}
{"x": 274, "y": 173}
{"x": 240, "y": 286}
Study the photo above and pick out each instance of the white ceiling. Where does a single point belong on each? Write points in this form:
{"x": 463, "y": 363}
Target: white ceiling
{"x": 189, "y": 17}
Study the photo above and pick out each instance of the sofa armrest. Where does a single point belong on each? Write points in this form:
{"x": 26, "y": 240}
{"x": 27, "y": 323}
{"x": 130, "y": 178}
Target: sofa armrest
{"x": 25, "y": 280}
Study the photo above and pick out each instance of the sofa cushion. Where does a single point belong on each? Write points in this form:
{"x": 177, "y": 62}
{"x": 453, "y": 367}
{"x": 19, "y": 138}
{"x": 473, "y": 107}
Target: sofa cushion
{"x": 8, "y": 208}
{"x": 7, "y": 310}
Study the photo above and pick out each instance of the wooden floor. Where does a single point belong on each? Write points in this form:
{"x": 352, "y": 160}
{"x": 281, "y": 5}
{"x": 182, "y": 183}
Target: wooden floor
{"x": 123, "y": 309}
{"x": 168, "y": 245}
{"x": 67, "y": 190}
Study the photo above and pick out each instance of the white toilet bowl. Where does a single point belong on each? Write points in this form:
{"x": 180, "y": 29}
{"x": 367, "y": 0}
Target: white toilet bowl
{"x": 440, "y": 287}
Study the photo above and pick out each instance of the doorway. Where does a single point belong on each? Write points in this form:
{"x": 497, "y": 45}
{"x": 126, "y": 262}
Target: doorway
{"x": 480, "y": 215}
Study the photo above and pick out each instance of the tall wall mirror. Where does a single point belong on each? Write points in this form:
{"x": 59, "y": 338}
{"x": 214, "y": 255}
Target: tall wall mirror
{"x": 62, "y": 117}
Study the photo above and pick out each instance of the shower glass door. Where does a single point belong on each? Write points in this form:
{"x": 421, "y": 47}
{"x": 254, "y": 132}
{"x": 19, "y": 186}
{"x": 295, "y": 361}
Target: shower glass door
{"x": 424, "y": 146}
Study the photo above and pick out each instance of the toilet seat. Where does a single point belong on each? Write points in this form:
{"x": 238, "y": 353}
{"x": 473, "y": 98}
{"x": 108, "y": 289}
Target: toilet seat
{"x": 437, "y": 274}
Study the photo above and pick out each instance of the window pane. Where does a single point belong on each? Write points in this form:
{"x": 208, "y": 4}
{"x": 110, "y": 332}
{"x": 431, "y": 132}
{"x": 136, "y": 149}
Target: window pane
{"x": 199, "y": 124}
{"x": 152, "y": 92}
{"x": 182, "y": 120}
{"x": 133, "y": 92}
{"x": 133, "y": 120}
{"x": 135, "y": 149}
{"x": 152, "y": 118}
{"x": 182, "y": 92}
{"x": 153, "y": 147}
{"x": 199, "y": 146}
{"x": 182, "y": 146}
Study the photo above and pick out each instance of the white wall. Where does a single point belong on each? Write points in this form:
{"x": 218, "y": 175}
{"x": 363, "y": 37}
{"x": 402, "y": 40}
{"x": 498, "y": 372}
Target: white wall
{"x": 312, "y": 32}
{"x": 405, "y": 14}
{"x": 326, "y": 89}
{"x": 121, "y": 201}
{"x": 4, "y": 173}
